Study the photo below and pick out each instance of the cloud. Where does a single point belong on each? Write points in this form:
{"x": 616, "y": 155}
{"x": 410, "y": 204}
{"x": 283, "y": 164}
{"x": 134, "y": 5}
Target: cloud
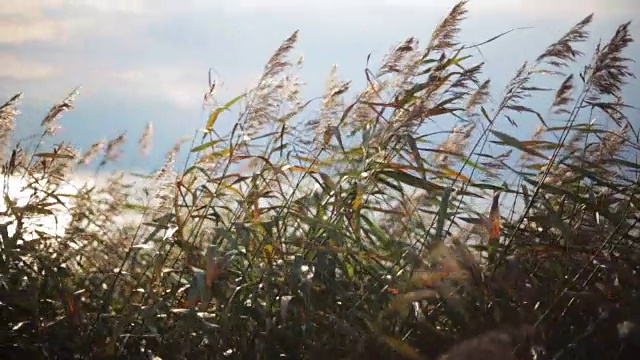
{"x": 23, "y": 21}
{"x": 109, "y": 6}
{"x": 554, "y": 8}
{"x": 20, "y": 7}
{"x": 182, "y": 88}
{"x": 37, "y": 7}
{"x": 18, "y": 31}
{"x": 524, "y": 8}
{"x": 108, "y": 47}
{"x": 60, "y": 21}
{"x": 16, "y": 68}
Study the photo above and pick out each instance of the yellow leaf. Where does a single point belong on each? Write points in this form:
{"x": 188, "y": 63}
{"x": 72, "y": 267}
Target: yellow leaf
{"x": 215, "y": 113}
{"x": 454, "y": 174}
{"x": 215, "y": 155}
{"x": 267, "y": 250}
{"x": 357, "y": 202}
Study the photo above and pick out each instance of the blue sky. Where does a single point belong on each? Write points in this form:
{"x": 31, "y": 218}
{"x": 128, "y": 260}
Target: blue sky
{"x": 143, "y": 60}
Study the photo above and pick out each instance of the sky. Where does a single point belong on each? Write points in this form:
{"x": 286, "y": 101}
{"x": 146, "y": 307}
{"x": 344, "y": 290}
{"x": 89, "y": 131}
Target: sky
{"x": 148, "y": 60}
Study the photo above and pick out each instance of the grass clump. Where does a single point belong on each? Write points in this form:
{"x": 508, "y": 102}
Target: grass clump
{"x": 350, "y": 232}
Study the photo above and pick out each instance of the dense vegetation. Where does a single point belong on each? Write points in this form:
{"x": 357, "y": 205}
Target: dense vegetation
{"x": 349, "y": 231}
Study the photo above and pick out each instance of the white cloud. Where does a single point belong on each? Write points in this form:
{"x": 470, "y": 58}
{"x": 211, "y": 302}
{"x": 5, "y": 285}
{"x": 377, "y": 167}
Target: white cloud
{"x": 553, "y": 8}
{"x": 58, "y": 21}
{"x": 525, "y": 8}
{"x": 36, "y": 7}
{"x": 18, "y": 31}
{"x": 183, "y": 89}
{"x": 14, "y": 67}
{"x": 20, "y": 7}
{"x": 117, "y": 6}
